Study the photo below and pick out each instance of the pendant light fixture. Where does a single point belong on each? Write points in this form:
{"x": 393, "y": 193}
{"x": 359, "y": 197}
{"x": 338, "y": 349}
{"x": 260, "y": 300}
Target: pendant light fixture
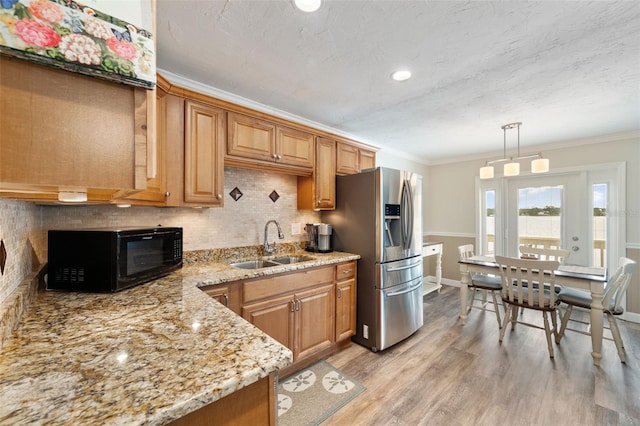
{"x": 512, "y": 165}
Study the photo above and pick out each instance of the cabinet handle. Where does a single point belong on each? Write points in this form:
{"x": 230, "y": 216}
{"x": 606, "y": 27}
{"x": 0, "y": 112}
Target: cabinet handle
{"x": 346, "y": 271}
{"x": 297, "y": 304}
{"x": 339, "y": 293}
{"x": 293, "y": 305}
{"x": 219, "y": 196}
{"x": 226, "y": 300}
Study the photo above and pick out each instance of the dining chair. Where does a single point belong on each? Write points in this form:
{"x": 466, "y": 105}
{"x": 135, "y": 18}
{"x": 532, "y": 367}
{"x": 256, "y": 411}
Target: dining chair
{"x": 611, "y": 301}
{"x": 536, "y": 253}
{"x": 515, "y": 273}
{"x": 481, "y": 282}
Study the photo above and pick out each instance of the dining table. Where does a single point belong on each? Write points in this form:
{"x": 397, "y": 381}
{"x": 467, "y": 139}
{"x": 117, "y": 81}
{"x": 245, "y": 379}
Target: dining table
{"x": 592, "y": 279}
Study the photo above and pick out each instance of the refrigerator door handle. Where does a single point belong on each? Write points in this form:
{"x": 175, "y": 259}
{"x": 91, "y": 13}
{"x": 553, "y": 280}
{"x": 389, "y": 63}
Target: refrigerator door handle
{"x": 402, "y": 268}
{"x": 407, "y": 215}
{"x": 409, "y": 290}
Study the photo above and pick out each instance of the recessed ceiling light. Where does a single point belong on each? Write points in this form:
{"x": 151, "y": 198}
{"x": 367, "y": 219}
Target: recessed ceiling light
{"x": 308, "y": 5}
{"x": 401, "y": 75}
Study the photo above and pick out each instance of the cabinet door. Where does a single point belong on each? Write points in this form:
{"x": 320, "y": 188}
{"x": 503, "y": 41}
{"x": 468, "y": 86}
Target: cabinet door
{"x": 228, "y": 295}
{"x": 366, "y": 159}
{"x": 250, "y": 137}
{"x": 203, "y": 156}
{"x": 345, "y": 300}
{"x": 325, "y": 174}
{"x": 275, "y": 317}
{"x": 294, "y": 147}
{"x": 345, "y": 309}
{"x": 315, "y": 322}
{"x": 346, "y": 159}
{"x": 156, "y": 191}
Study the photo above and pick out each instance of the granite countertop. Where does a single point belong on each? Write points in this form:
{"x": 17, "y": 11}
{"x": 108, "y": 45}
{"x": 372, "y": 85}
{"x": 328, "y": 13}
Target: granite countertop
{"x": 146, "y": 355}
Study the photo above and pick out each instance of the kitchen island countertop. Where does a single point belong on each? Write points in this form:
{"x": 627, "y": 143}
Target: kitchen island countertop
{"x": 146, "y": 355}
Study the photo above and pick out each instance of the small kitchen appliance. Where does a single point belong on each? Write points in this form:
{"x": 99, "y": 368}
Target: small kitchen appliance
{"x": 111, "y": 259}
{"x": 318, "y": 237}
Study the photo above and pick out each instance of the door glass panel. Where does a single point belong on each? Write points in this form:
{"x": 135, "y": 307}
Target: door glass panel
{"x": 599, "y": 223}
{"x": 539, "y": 216}
{"x": 489, "y": 223}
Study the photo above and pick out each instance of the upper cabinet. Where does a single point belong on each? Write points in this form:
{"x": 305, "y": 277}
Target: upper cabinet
{"x": 259, "y": 143}
{"x": 352, "y": 159}
{"x": 62, "y": 132}
{"x": 318, "y": 192}
{"x": 203, "y": 154}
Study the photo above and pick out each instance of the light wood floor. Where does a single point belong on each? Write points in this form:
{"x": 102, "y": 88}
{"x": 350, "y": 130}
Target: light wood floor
{"x": 450, "y": 374}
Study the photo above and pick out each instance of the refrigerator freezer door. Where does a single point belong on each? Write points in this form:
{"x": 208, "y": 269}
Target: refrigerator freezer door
{"x": 399, "y": 272}
{"x": 400, "y": 312}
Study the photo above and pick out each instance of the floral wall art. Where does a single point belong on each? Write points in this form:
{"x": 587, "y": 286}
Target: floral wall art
{"x": 72, "y": 36}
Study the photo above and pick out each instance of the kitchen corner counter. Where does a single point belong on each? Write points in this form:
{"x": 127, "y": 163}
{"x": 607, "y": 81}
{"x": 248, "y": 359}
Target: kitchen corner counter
{"x": 147, "y": 355}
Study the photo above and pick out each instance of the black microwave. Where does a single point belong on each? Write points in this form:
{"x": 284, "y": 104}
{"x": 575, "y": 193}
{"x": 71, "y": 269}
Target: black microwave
{"x": 108, "y": 259}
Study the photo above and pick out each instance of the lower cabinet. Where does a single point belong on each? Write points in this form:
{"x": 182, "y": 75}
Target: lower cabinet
{"x": 227, "y": 294}
{"x": 251, "y": 405}
{"x": 308, "y": 311}
{"x": 345, "y": 300}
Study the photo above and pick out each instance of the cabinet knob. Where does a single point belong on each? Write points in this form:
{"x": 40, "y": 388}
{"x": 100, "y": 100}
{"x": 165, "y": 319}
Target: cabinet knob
{"x": 279, "y": 157}
{"x": 167, "y": 194}
{"x": 219, "y": 196}
{"x": 275, "y": 156}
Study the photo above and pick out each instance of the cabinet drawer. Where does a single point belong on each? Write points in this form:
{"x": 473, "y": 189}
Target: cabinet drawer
{"x": 431, "y": 249}
{"x": 278, "y": 284}
{"x": 345, "y": 270}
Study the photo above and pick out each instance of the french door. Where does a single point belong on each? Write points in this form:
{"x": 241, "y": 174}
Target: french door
{"x": 549, "y": 212}
{"x": 574, "y": 210}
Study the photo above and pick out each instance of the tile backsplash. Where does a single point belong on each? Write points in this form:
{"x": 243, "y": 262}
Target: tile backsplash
{"x": 23, "y": 226}
{"x": 238, "y": 223}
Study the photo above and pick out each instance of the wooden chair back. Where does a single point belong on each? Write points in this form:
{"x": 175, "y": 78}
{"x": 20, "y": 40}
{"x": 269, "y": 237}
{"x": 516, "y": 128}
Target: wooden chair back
{"x": 466, "y": 251}
{"x": 518, "y": 273}
{"x": 561, "y": 255}
{"x": 617, "y": 285}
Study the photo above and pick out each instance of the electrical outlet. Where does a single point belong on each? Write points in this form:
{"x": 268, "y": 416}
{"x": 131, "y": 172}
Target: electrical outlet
{"x": 295, "y": 229}
{"x": 365, "y": 331}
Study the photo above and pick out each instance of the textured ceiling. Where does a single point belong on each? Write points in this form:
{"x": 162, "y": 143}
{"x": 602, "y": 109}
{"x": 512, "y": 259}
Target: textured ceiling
{"x": 567, "y": 70}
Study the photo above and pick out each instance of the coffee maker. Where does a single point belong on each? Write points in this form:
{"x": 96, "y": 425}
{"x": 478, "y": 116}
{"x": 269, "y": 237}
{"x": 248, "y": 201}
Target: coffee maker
{"x": 318, "y": 237}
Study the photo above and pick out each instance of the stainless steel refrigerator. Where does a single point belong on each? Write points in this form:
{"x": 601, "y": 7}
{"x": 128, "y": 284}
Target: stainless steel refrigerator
{"x": 378, "y": 215}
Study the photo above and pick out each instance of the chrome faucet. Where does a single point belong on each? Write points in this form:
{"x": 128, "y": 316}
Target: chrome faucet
{"x": 270, "y": 248}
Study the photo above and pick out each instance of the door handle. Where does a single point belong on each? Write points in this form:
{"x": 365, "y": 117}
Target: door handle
{"x": 409, "y": 290}
{"x": 402, "y": 268}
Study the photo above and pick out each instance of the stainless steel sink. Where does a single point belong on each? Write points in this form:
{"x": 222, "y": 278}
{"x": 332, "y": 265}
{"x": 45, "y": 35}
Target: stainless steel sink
{"x": 287, "y": 260}
{"x": 254, "y": 264}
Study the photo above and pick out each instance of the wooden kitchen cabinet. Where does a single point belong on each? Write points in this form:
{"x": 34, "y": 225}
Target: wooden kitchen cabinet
{"x": 297, "y": 309}
{"x": 345, "y": 300}
{"x": 190, "y": 153}
{"x": 203, "y": 154}
{"x": 63, "y": 131}
{"x": 352, "y": 159}
{"x": 254, "y": 142}
{"x": 156, "y": 192}
{"x": 227, "y": 294}
{"x": 318, "y": 192}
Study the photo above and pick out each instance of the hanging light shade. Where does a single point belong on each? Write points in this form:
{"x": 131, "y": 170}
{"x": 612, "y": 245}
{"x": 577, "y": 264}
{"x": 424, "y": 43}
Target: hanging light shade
{"x": 512, "y": 166}
{"x": 512, "y": 169}
{"x": 486, "y": 172}
{"x": 540, "y": 165}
